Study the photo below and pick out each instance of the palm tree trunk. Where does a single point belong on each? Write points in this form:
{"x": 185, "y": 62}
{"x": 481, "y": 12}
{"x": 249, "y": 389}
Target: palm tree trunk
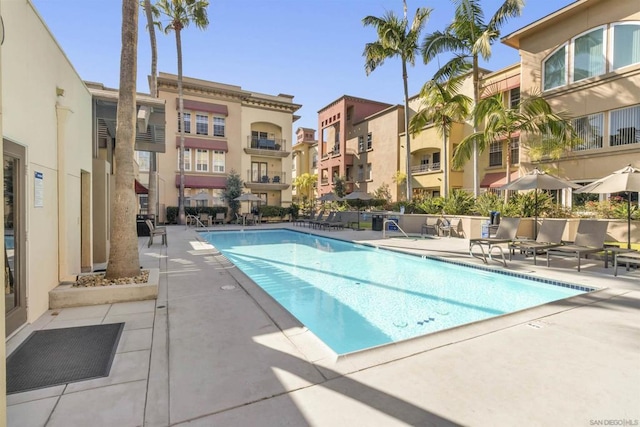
{"x": 406, "y": 127}
{"x": 444, "y": 162}
{"x": 476, "y": 99}
{"x": 153, "y": 159}
{"x": 181, "y": 215}
{"x": 123, "y": 254}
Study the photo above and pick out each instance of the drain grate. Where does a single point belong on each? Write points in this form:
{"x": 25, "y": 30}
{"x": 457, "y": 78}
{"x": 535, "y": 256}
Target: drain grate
{"x": 227, "y": 287}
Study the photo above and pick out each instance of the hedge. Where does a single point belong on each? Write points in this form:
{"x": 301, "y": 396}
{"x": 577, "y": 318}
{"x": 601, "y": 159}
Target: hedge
{"x": 172, "y": 211}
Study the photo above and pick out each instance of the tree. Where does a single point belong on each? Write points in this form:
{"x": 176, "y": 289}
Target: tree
{"x": 533, "y": 115}
{"x": 233, "y": 190}
{"x": 396, "y": 39}
{"x": 339, "y": 186}
{"x": 124, "y": 260}
{"x": 153, "y": 84}
{"x": 468, "y": 38}
{"x": 181, "y": 14}
{"x": 443, "y": 106}
{"x": 304, "y": 184}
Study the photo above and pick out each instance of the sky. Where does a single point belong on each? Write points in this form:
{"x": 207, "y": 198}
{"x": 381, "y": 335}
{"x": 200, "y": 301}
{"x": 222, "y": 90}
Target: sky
{"x": 311, "y": 49}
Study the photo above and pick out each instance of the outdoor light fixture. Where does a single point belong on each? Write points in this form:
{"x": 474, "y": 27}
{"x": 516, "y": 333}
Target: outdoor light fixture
{"x": 1, "y": 31}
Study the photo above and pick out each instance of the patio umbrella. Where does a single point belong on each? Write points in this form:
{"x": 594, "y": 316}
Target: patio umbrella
{"x": 625, "y": 180}
{"x": 329, "y": 197}
{"x": 248, "y": 197}
{"x": 358, "y": 195}
{"x": 538, "y": 180}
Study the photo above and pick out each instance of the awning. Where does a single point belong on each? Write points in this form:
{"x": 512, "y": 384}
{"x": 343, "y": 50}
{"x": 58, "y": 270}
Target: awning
{"x": 496, "y": 179}
{"x": 141, "y": 189}
{"x": 204, "y": 144}
{"x": 202, "y": 181}
{"x": 206, "y": 107}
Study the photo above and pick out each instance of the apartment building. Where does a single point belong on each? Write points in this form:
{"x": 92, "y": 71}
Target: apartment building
{"x": 227, "y": 129}
{"x": 429, "y": 160}
{"x": 359, "y": 141}
{"x": 501, "y": 158}
{"x": 585, "y": 59}
{"x": 304, "y": 160}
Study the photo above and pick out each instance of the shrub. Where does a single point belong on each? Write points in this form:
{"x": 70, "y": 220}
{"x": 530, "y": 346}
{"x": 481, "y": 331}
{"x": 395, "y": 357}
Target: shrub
{"x": 488, "y": 202}
{"x": 459, "y": 202}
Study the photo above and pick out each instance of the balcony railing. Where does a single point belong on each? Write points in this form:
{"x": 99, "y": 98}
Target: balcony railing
{"x": 268, "y": 178}
{"x": 433, "y": 167}
{"x": 273, "y": 144}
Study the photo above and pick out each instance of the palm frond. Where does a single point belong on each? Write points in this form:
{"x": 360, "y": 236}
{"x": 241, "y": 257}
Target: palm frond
{"x": 464, "y": 150}
{"x": 509, "y": 9}
{"x": 455, "y": 67}
{"x": 440, "y": 42}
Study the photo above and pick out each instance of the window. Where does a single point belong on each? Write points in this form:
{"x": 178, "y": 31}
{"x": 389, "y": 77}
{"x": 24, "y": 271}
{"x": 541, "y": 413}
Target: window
{"x": 495, "y": 154}
{"x": 187, "y": 159}
{"x": 218, "y": 126}
{"x": 143, "y": 159}
{"x": 259, "y": 172}
{"x": 202, "y": 160}
{"x": 624, "y": 126}
{"x": 218, "y": 197}
{"x": 360, "y": 143}
{"x": 187, "y": 122}
{"x": 314, "y": 162}
{"x": 589, "y": 130}
{"x": 369, "y": 172}
{"x": 555, "y": 69}
{"x": 626, "y": 44}
{"x": 360, "y": 173}
{"x": 514, "y": 98}
{"x": 436, "y": 161}
{"x": 218, "y": 161}
{"x": 515, "y": 151}
{"x": 369, "y": 141}
{"x": 202, "y": 124}
{"x": 588, "y": 55}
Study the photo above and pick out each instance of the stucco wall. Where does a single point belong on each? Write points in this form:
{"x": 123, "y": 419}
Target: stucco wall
{"x": 33, "y": 68}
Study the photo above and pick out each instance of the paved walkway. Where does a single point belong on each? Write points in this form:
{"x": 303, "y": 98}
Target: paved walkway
{"x": 214, "y": 350}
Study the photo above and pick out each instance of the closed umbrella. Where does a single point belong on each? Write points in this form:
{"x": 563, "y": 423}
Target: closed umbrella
{"x": 538, "y": 180}
{"x": 625, "y": 180}
{"x": 358, "y": 195}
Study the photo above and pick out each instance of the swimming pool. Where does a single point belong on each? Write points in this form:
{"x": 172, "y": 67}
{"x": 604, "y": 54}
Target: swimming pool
{"x": 354, "y": 297}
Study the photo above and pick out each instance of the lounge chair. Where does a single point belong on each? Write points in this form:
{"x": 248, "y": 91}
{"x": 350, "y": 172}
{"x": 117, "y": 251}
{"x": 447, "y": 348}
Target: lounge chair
{"x": 156, "y": 231}
{"x": 506, "y": 233}
{"x": 312, "y": 217}
{"x": 312, "y": 222}
{"x": 219, "y": 219}
{"x": 625, "y": 258}
{"x": 448, "y": 226}
{"x": 320, "y": 222}
{"x": 332, "y": 222}
{"x": 589, "y": 239}
{"x": 204, "y": 220}
{"x": 549, "y": 236}
{"x": 430, "y": 226}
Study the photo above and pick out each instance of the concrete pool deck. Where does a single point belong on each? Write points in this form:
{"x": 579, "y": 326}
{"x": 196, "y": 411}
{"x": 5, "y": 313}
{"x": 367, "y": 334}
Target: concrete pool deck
{"x": 215, "y": 350}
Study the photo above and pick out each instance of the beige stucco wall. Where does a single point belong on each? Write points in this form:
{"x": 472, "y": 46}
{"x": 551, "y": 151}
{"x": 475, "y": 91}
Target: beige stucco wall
{"x": 56, "y": 132}
{"x": 615, "y": 89}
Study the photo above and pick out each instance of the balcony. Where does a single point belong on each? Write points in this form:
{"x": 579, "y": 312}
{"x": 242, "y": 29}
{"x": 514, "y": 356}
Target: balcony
{"x": 269, "y": 181}
{"x": 433, "y": 167}
{"x": 266, "y": 147}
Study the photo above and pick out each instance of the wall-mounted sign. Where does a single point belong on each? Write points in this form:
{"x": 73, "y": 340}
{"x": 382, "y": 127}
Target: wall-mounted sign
{"x": 38, "y": 190}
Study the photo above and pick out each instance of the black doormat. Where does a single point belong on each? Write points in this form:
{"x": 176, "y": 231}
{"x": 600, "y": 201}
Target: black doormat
{"x": 59, "y": 356}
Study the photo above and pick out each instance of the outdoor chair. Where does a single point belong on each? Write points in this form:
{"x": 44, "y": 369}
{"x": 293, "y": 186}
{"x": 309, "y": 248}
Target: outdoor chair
{"x": 589, "y": 239}
{"x": 549, "y": 236}
{"x": 448, "y": 226}
{"x": 219, "y": 219}
{"x": 311, "y": 223}
{"x": 430, "y": 226}
{"x": 319, "y": 223}
{"x": 156, "y": 231}
{"x": 336, "y": 223}
{"x": 204, "y": 219}
{"x": 250, "y": 219}
{"x": 506, "y": 233}
{"x": 625, "y": 258}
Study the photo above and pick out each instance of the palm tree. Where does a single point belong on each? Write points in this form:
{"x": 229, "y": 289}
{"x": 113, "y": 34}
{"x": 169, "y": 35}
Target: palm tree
{"x": 123, "y": 254}
{"x": 181, "y": 14}
{"x": 305, "y": 183}
{"x": 396, "y": 39}
{"x": 533, "y": 115}
{"x": 468, "y": 38}
{"x": 443, "y": 106}
{"x": 153, "y": 164}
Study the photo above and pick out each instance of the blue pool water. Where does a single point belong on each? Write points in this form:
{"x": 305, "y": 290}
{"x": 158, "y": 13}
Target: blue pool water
{"x": 355, "y": 297}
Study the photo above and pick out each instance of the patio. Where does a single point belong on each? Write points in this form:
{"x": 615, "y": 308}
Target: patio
{"x": 215, "y": 350}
